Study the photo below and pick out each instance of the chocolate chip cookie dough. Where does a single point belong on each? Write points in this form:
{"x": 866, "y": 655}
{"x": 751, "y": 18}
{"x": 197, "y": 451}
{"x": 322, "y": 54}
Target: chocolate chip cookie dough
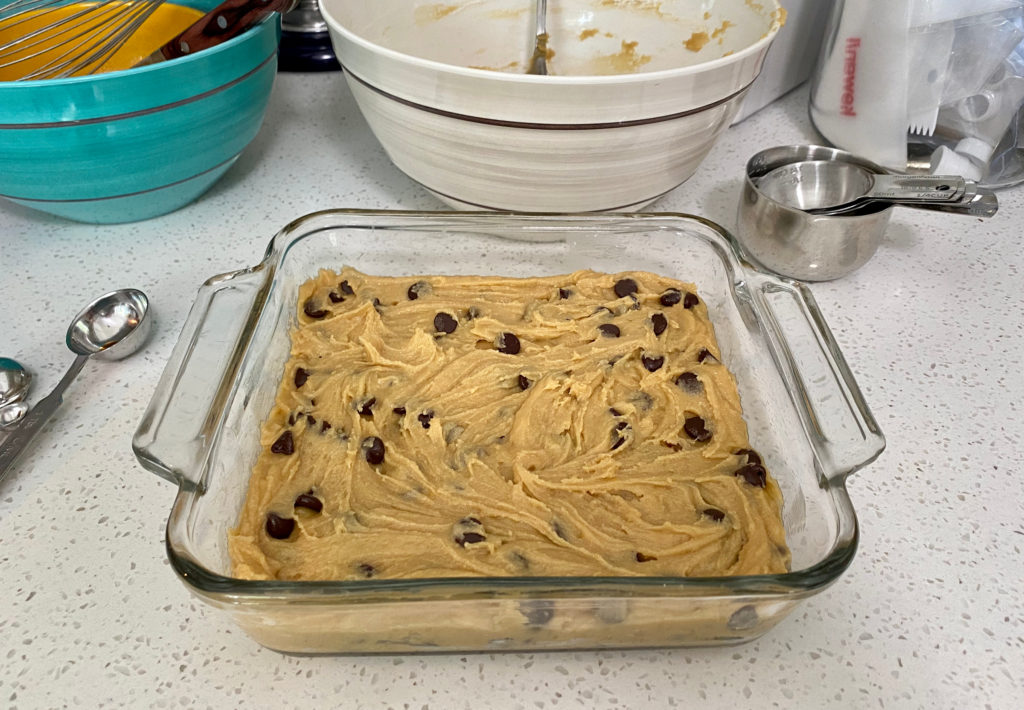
{"x": 574, "y": 425}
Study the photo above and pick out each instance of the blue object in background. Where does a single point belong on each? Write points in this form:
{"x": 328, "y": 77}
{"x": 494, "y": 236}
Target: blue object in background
{"x": 129, "y": 145}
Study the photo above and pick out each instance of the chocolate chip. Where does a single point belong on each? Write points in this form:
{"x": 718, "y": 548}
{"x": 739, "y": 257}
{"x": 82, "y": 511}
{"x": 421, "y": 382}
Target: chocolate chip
{"x": 471, "y": 520}
{"x": 619, "y": 441}
{"x": 291, "y": 419}
{"x": 310, "y": 502}
{"x": 469, "y": 538}
{"x": 695, "y": 429}
{"x": 285, "y": 444}
{"x": 373, "y": 449}
{"x": 660, "y": 322}
{"x": 743, "y": 618}
{"x": 621, "y": 425}
{"x": 335, "y": 297}
{"x": 366, "y": 570}
{"x": 523, "y": 382}
{"x": 671, "y": 297}
{"x": 624, "y": 287}
{"x": 520, "y": 559}
{"x": 652, "y": 363}
{"x": 507, "y": 343}
{"x": 420, "y": 288}
{"x": 445, "y": 323}
{"x": 690, "y": 300}
{"x": 564, "y": 293}
{"x": 346, "y": 289}
{"x": 559, "y": 530}
{"x": 706, "y": 354}
{"x": 636, "y": 302}
{"x": 752, "y": 456}
{"x": 366, "y": 408}
{"x": 312, "y": 311}
{"x": 538, "y": 612}
{"x": 614, "y": 412}
{"x": 324, "y": 426}
{"x": 301, "y": 375}
{"x": 641, "y": 400}
{"x": 424, "y": 418}
{"x": 279, "y": 528}
{"x": 472, "y": 312}
{"x": 400, "y": 411}
{"x": 310, "y": 419}
{"x": 753, "y": 473}
{"x": 689, "y": 382}
{"x": 641, "y": 557}
{"x": 672, "y": 445}
{"x": 609, "y": 330}
{"x": 452, "y": 432}
{"x": 715, "y": 514}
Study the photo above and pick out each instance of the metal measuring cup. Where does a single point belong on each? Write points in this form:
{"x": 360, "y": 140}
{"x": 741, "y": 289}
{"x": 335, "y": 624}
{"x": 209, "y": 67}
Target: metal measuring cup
{"x": 795, "y": 243}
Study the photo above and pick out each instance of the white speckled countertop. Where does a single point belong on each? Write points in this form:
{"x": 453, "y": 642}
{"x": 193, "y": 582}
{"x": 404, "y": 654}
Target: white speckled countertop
{"x": 929, "y": 615}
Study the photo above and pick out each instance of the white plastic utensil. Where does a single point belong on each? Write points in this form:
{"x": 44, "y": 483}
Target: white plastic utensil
{"x": 928, "y": 57}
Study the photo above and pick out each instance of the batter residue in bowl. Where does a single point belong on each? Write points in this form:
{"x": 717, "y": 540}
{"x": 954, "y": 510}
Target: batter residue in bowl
{"x": 573, "y": 425}
{"x": 432, "y": 13}
{"x": 625, "y": 61}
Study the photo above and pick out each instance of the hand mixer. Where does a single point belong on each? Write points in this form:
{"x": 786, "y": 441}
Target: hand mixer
{"x": 67, "y": 43}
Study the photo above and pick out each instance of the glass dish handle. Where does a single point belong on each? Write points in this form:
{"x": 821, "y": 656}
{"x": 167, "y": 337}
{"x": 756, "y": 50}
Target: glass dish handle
{"x": 177, "y": 429}
{"x": 841, "y": 428}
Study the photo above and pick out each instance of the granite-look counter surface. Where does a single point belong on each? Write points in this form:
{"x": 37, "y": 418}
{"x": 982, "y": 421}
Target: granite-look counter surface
{"x": 929, "y": 615}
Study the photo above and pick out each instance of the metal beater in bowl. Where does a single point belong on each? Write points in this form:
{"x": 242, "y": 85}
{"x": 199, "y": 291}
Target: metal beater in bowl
{"x": 82, "y": 41}
{"x": 539, "y": 60}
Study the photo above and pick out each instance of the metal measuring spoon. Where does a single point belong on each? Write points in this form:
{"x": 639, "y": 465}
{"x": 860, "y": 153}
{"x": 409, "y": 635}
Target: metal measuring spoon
{"x": 834, "y": 187}
{"x": 15, "y": 381}
{"x": 11, "y": 414}
{"x": 110, "y": 328}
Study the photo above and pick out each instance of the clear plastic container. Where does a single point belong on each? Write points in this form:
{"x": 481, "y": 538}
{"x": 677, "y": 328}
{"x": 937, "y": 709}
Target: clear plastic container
{"x": 925, "y": 86}
{"x": 805, "y": 414}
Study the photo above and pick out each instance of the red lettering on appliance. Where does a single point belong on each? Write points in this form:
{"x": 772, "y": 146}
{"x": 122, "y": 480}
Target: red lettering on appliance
{"x": 847, "y": 102}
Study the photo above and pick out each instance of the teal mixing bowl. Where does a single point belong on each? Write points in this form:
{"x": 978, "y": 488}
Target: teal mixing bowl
{"x": 129, "y": 145}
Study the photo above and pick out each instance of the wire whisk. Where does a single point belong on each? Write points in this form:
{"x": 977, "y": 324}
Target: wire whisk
{"x": 49, "y": 39}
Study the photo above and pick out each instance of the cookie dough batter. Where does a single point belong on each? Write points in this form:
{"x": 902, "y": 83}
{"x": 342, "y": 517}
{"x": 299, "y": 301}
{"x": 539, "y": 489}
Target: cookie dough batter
{"x": 574, "y": 425}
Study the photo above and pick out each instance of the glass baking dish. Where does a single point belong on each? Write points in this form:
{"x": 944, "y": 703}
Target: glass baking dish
{"x": 804, "y": 410}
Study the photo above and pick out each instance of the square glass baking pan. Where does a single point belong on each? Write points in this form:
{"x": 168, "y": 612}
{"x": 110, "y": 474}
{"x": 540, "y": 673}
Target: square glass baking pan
{"x": 805, "y": 414}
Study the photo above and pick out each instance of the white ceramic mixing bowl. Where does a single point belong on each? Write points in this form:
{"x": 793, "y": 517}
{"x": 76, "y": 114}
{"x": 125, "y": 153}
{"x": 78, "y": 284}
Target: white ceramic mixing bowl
{"x": 639, "y": 90}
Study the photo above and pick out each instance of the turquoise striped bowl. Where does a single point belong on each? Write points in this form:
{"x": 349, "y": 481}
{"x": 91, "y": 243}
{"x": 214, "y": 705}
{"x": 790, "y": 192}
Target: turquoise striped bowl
{"x": 129, "y": 145}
